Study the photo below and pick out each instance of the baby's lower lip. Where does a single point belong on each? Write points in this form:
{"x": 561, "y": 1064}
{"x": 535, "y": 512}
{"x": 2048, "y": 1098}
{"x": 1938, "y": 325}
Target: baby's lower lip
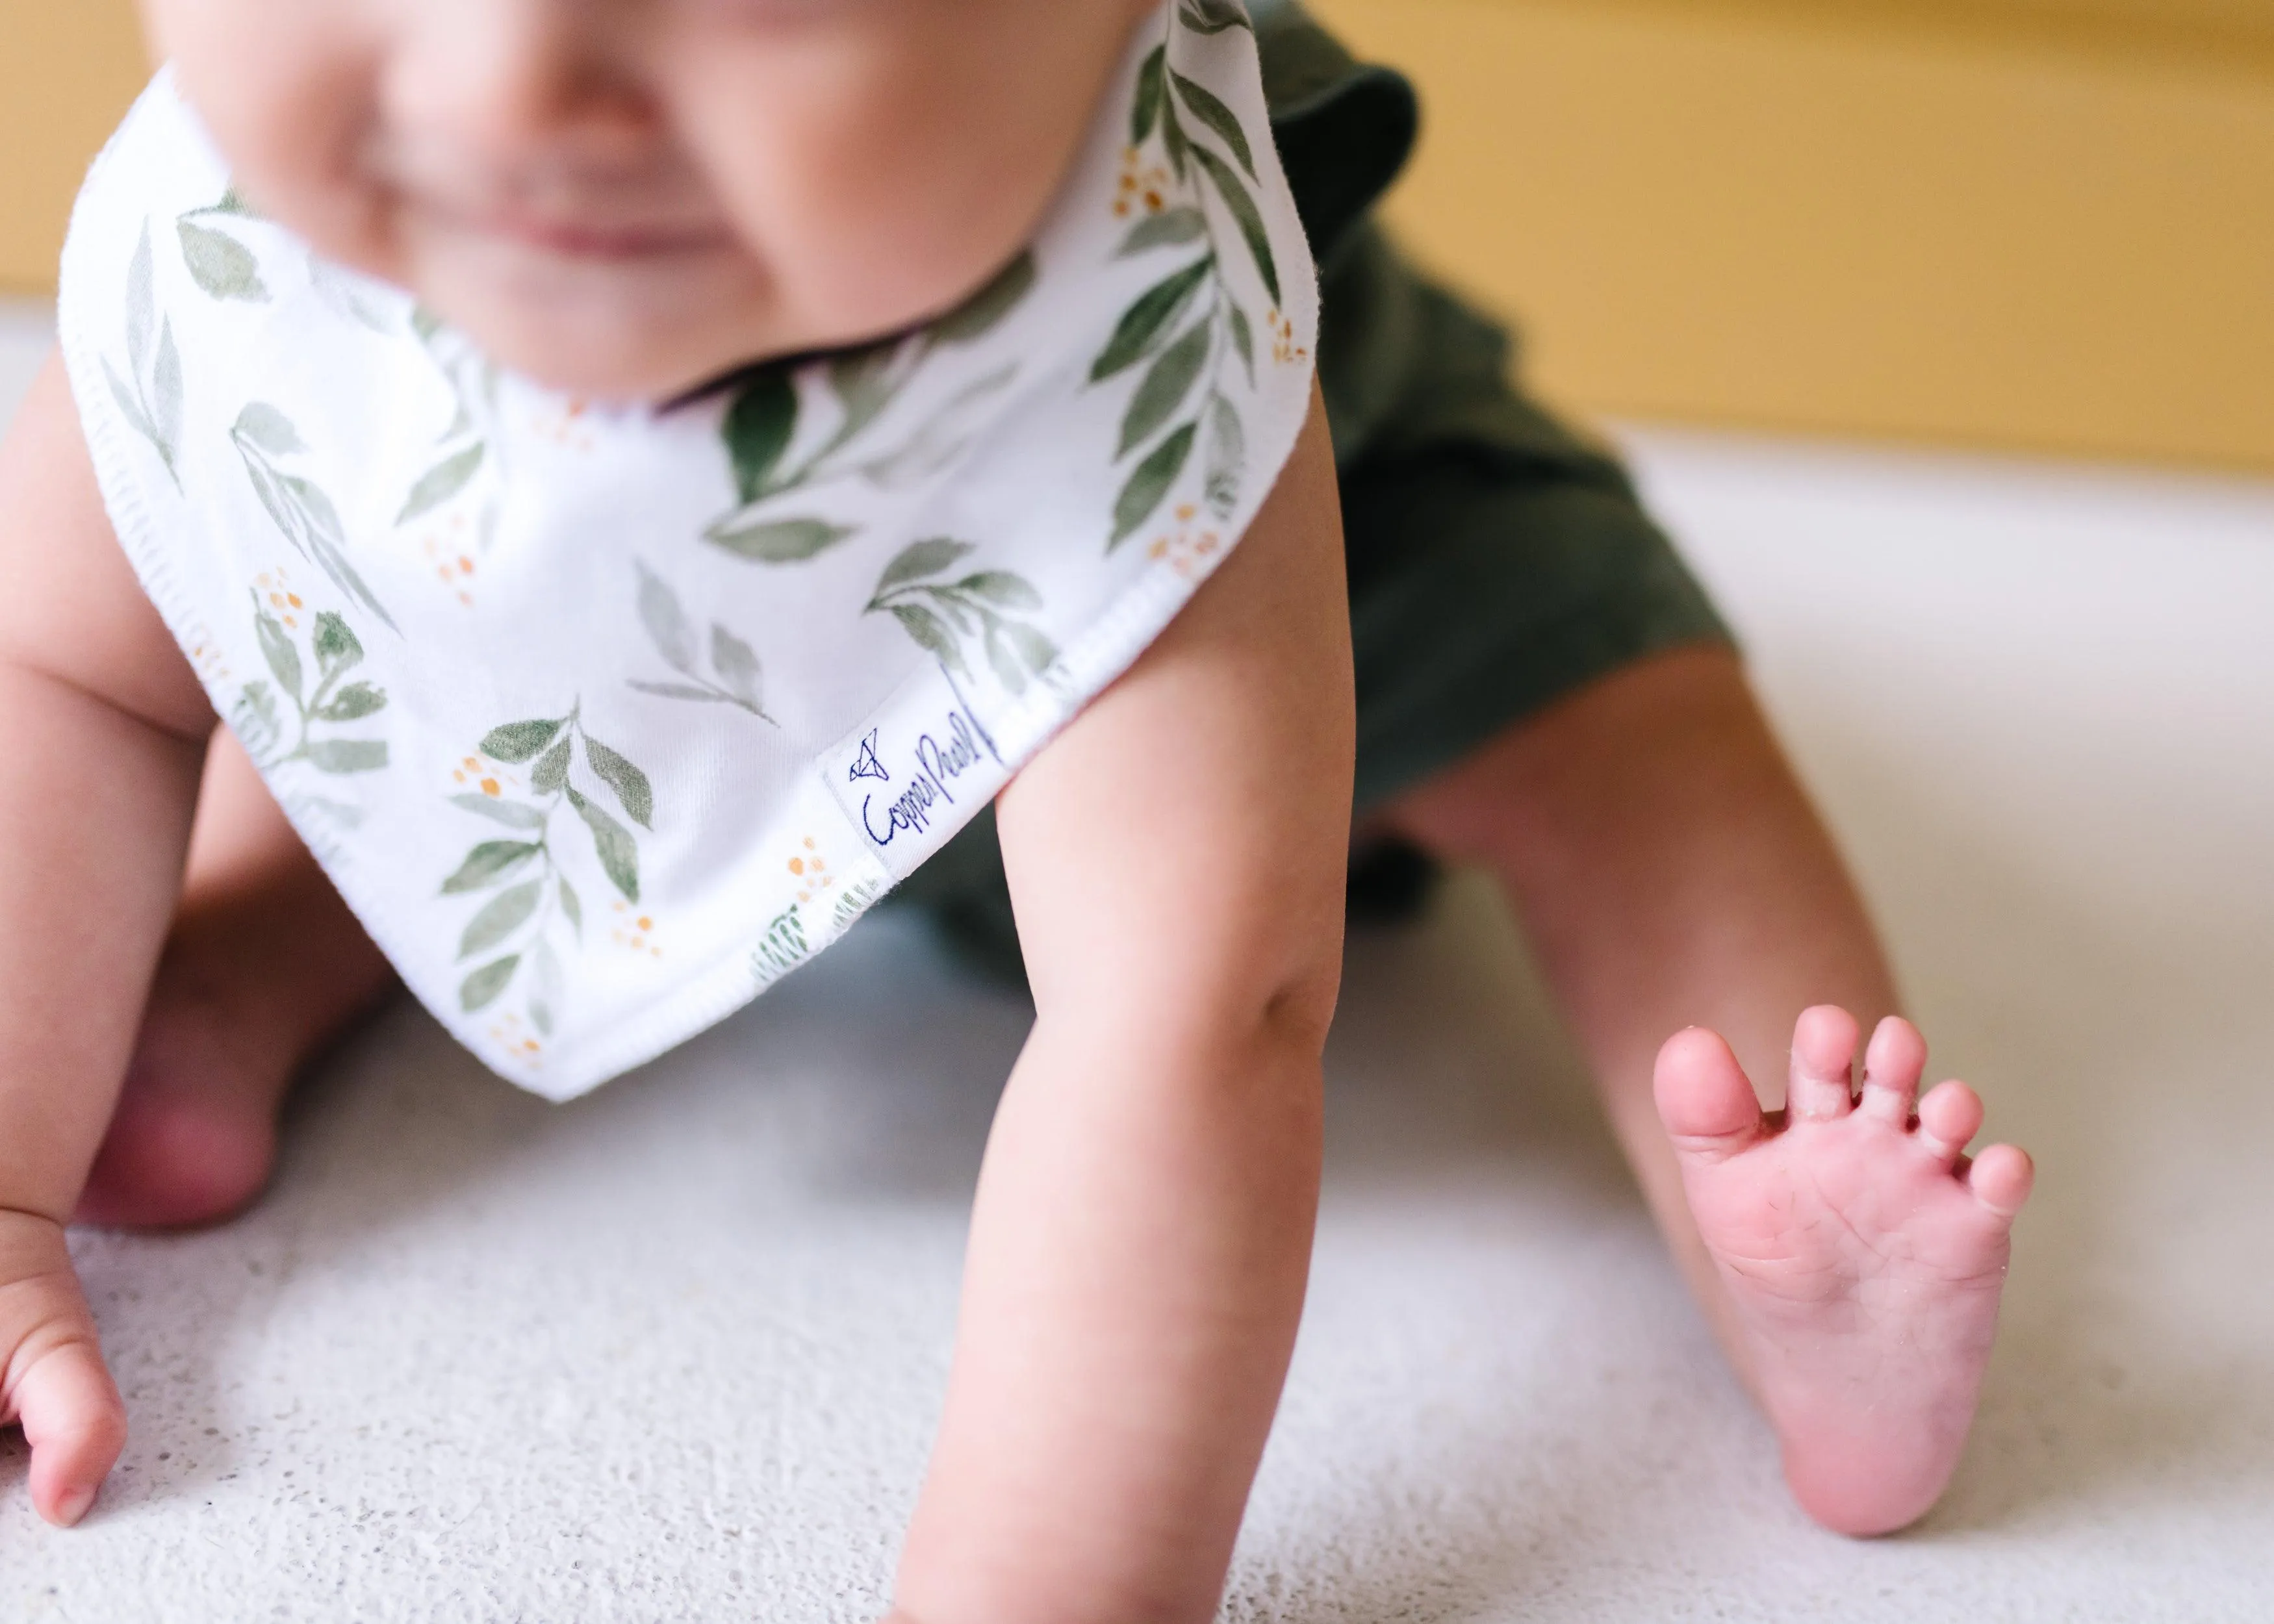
{"x": 578, "y": 240}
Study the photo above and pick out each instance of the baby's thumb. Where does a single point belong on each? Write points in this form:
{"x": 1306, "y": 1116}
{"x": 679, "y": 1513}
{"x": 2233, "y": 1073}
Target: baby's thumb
{"x": 71, "y": 1415}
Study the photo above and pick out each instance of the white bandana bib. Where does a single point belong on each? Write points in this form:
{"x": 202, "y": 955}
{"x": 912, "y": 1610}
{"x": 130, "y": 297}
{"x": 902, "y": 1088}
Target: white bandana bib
{"x": 604, "y": 718}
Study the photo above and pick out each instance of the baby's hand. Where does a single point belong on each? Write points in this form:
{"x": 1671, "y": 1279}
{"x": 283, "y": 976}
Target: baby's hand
{"x": 52, "y": 1377}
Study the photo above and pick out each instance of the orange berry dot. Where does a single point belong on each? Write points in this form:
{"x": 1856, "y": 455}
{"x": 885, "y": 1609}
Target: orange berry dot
{"x": 457, "y": 776}
{"x": 797, "y": 865}
{"x": 465, "y": 565}
{"x": 645, "y": 923}
{"x": 490, "y": 787}
{"x": 294, "y": 599}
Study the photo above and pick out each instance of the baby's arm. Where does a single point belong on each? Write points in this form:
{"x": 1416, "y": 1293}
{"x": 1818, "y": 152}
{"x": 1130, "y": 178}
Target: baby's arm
{"x": 105, "y": 728}
{"x": 1142, "y": 1233}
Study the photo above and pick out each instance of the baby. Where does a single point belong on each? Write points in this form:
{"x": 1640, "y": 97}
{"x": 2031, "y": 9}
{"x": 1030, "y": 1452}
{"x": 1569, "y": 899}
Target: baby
{"x": 636, "y": 477}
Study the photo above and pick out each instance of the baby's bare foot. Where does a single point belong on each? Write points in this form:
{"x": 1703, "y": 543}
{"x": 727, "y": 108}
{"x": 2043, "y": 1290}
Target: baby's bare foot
{"x": 1864, "y": 1253}
{"x": 265, "y": 965}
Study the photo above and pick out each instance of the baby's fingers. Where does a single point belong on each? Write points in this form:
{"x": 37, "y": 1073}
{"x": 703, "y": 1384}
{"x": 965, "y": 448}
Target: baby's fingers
{"x": 76, "y": 1424}
{"x": 52, "y": 1377}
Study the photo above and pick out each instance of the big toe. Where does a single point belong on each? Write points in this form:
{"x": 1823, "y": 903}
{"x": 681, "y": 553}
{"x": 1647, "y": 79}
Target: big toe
{"x": 1703, "y": 1097}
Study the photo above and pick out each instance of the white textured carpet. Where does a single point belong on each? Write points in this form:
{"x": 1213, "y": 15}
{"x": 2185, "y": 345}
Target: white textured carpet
{"x": 674, "y": 1352}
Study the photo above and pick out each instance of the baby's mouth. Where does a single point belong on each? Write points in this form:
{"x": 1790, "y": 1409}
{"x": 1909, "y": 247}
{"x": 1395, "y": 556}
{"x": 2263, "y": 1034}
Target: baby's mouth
{"x": 605, "y": 241}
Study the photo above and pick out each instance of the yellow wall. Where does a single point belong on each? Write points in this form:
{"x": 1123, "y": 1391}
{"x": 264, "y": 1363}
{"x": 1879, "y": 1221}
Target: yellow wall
{"x": 68, "y": 71}
{"x": 2043, "y": 224}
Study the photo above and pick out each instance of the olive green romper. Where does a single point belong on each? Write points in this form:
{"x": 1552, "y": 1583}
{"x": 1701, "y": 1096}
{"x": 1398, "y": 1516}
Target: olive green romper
{"x": 1497, "y": 558}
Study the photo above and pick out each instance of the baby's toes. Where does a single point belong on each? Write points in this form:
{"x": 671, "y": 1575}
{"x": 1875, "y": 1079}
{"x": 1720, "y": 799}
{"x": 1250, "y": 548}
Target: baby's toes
{"x": 1823, "y": 1059}
{"x": 2001, "y": 1177}
{"x": 1891, "y": 1071}
{"x": 1949, "y": 1117}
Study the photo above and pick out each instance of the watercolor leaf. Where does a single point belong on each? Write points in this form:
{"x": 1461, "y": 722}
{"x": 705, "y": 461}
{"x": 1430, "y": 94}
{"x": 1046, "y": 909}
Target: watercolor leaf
{"x": 777, "y": 541}
{"x": 918, "y": 559}
{"x": 737, "y": 662}
{"x": 1227, "y": 457}
{"x": 632, "y": 790}
{"x": 487, "y": 864}
{"x": 345, "y": 755}
{"x": 166, "y": 388}
{"x": 500, "y": 916}
{"x": 353, "y": 702}
{"x": 1214, "y": 16}
{"x": 442, "y": 482}
{"x": 337, "y": 647}
{"x": 268, "y": 429}
{"x": 517, "y": 742}
{"x": 1147, "y": 112}
{"x": 1001, "y": 587}
{"x": 220, "y": 265}
{"x": 1171, "y": 227}
{"x": 759, "y": 426}
{"x": 512, "y": 814}
{"x": 930, "y": 632}
{"x": 985, "y": 310}
{"x": 1150, "y": 485}
{"x": 141, "y": 305}
{"x": 1143, "y": 323}
{"x": 666, "y": 622}
{"x": 1235, "y": 198}
{"x": 486, "y": 985}
{"x": 1165, "y": 386}
{"x": 612, "y": 843}
{"x": 1218, "y": 117}
{"x": 276, "y": 649}
{"x": 553, "y": 771}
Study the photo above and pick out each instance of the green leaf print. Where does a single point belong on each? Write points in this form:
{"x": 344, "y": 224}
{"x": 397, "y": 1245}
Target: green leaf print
{"x": 277, "y": 648}
{"x": 1243, "y": 339}
{"x": 141, "y": 305}
{"x": 512, "y": 814}
{"x": 1170, "y": 229}
{"x": 220, "y": 265}
{"x": 940, "y": 614}
{"x": 1147, "y": 112}
{"x": 926, "y": 627}
{"x": 351, "y": 704}
{"x": 1150, "y": 485}
{"x": 504, "y": 913}
{"x": 1214, "y": 16}
{"x": 737, "y": 665}
{"x": 1002, "y": 589}
{"x": 441, "y": 482}
{"x": 734, "y": 662}
{"x": 918, "y": 559}
{"x": 632, "y": 790}
{"x": 159, "y": 423}
{"x": 612, "y": 843}
{"x": 337, "y": 647}
{"x": 1226, "y": 459}
{"x": 533, "y": 909}
{"x": 346, "y": 756}
{"x": 862, "y": 381}
{"x": 760, "y": 424}
{"x": 301, "y": 510}
{"x": 666, "y": 622}
{"x": 553, "y": 771}
{"x": 487, "y": 984}
{"x": 1165, "y": 388}
{"x": 985, "y": 310}
{"x": 1244, "y": 212}
{"x": 166, "y": 388}
{"x": 517, "y": 742}
{"x": 1218, "y": 117}
{"x": 334, "y": 649}
{"x": 269, "y": 429}
{"x": 1143, "y": 323}
{"x": 488, "y": 863}
{"x": 777, "y": 541}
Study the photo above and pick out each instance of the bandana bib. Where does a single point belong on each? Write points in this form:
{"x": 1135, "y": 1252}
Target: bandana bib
{"x": 603, "y": 717}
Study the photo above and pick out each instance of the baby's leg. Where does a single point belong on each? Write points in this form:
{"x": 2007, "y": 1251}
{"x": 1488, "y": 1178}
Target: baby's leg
{"x": 263, "y": 966}
{"x": 1672, "y": 875}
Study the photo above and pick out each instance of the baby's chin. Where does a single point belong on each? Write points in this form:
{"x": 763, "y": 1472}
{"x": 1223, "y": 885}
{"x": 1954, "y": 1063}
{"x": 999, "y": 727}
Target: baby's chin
{"x": 601, "y": 331}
